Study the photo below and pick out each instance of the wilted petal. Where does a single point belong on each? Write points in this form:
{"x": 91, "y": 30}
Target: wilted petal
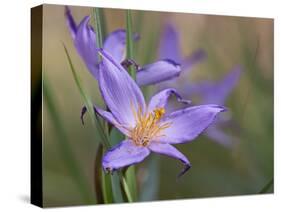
{"x": 70, "y": 22}
{"x": 169, "y": 44}
{"x": 111, "y": 119}
{"x": 85, "y": 43}
{"x": 160, "y": 99}
{"x": 187, "y": 124}
{"x": 120, "y": 92}
{"x": 194, "y": 58}
{"x": 169, "y": 150}
{"x": 124, "y": 154}
{"x": 115, "y": 45}
{"x": 159, "y": 71}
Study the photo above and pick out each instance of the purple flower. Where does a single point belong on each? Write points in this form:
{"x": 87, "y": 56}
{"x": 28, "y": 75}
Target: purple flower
{"x": 170, "y": 49}
{"x": 84, "y": 39}
{"x": 147, "y": 127}
{"x": 211, "y": 92}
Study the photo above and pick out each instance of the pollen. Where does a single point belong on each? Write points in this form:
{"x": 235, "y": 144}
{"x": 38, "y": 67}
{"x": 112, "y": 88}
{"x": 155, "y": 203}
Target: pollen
{"x": 148, "y": 126}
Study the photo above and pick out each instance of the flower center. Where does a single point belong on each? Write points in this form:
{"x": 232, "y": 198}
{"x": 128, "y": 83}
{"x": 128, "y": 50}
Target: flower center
{"x": 148, "y": 126}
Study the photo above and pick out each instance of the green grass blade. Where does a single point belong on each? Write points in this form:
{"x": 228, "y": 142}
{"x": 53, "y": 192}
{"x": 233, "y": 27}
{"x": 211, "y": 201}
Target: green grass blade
{"x": 115, "y": 138}
{"x": 125, "y": 187}
{"x": 98, "y": 27}
{"x": 103, "y": 23}
{"x": 98, "y": 175}
{"x": 87, "y": 102}
{"x": 63, "y": 145}
{"x": 130, "y": 42}
{"x": 107, "y": 188}
{"x": 130, "y": 175}
{"x": 107, "y": 191}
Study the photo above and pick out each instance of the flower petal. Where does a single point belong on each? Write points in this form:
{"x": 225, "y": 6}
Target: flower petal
{"x": 115, "y": 44}
{"x": 188, "y": 123}
{"x": 160, "y": 99}
{"x": 167, "y": 149}
{"x": 124, "y": 154}
{"x": 215, "y": 92}
{"x": 110, "y": 118}
{"x": 220, "y": 137}
{"x": 196, "y": 57}
{"x": 85, "y": 43}
{"x": 70, "y": 22}
{"x": 169, "y": 44}
{"x": 120, "y": 92}
{"x": 222, "y": 89}
{"x": 159, "y": 71}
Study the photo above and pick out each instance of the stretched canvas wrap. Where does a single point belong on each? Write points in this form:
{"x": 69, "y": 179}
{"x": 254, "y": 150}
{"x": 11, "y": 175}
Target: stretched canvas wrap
{"x": 133, "y": 106}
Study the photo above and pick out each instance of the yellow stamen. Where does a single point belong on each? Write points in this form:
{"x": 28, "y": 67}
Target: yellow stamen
{"x": 147, "y": 126}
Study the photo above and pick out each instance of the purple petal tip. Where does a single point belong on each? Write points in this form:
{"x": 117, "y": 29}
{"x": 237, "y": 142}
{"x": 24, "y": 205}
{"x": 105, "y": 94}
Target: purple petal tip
{"x": 185, "y": 169}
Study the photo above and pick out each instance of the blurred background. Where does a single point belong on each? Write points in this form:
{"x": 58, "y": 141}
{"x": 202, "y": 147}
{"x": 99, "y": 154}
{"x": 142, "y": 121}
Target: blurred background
{"x": 216, "y": 171}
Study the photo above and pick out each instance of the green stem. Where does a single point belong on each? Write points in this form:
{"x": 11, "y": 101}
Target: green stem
{"x": 98, "y": 27}
{"x": 125, "y": 187}
{"x": 130, "y": 42}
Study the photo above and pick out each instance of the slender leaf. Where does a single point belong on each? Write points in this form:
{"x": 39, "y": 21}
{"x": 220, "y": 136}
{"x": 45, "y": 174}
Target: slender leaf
{"x": 116, "y": 188}
{"x": 103, "y": 23}
{"x": 106, "y": 181}
{"x": 125, "y": 187}
{"x": 87, "y": 102}
{"x": 107, "y": 188}
{"x": 130, "y": 176}
{"x": 98, "y": 27}
{"x": 98, "y": 176}
{"x": 115, "y": 138}
{"x": 130, "y": 42}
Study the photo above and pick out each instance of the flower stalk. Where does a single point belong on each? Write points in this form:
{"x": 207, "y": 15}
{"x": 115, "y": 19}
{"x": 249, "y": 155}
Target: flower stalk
{"x": 130, "y": 42}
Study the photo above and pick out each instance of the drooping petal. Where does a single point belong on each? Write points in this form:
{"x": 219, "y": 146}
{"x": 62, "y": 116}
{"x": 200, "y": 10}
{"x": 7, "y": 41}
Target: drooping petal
{"x": 111, "y": 119}
{"x": 115, "y": 44}
{"x": 124, "y": 154}
{"x": 70, "y": 22}
{"x": 187, "y": 124}
{"x": 169, "y": 44}
{"x": 120, "y": 92}
{"x": 159, "y": 71}
{"x": 160, "y": 99}
{"x": 169, "y": 150}
{"x": 196, "y": 57}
